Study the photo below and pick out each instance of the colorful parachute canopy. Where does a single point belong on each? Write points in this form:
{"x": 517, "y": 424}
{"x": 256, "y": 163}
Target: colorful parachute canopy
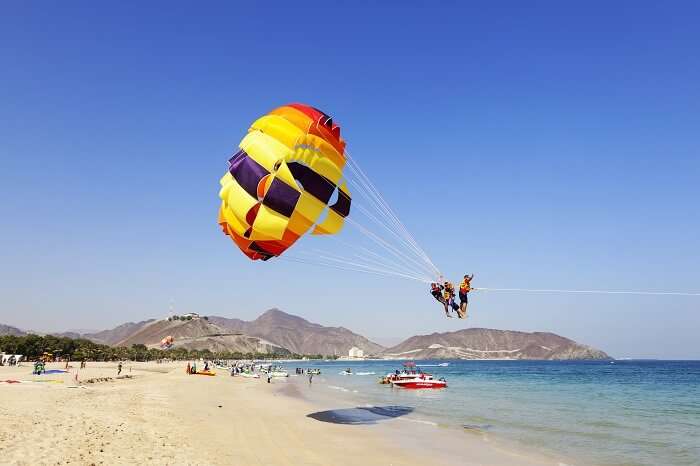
{"x": 167, "y": 342}
{"x": 280, "y": 182}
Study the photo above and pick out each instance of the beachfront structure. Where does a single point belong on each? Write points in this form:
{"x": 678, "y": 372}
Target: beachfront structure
{"x": 356, "y": 352}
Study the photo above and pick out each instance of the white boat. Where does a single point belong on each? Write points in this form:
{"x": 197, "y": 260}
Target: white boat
{"x": 278, "y": 373}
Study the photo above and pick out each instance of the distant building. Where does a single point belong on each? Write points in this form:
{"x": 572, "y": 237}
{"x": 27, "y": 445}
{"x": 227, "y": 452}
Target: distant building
{"x": 191, "y": 315}
{"x": 356, "y": 352}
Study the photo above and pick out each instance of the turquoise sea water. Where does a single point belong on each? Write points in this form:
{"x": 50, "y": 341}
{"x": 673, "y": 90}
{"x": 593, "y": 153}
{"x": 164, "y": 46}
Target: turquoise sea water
{"x": 621, "y": 413}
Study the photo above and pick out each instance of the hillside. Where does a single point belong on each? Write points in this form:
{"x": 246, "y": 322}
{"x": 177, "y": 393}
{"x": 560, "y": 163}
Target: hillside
{"x": 8, "y": 330}
{"x": 198, "y": 334}
{"x": 117, "y": 334}
{"x": 481, "y": 343}
{"x": 299, "y": 335}
{"x": 107, "y": 337}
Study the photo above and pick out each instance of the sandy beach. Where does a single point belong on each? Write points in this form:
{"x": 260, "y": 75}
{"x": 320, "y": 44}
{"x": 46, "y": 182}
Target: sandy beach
{"x": 160, "y": 415}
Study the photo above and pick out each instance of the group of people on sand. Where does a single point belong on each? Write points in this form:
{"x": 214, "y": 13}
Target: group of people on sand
{"x": 192, "y": 369}
{"x": 445, "y": 294}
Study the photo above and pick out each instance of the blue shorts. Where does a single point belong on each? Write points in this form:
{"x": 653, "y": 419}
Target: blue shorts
{"x": 464, "y": 297}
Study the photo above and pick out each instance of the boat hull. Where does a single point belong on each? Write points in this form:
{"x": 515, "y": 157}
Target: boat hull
{"x": 420, "y": 384}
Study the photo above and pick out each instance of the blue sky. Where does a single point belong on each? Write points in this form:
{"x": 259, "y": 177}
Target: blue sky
{"x": 536, "y": 144}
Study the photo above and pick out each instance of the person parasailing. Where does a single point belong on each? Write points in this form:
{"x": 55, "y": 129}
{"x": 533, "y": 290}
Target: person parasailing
{"x": 449, "y": 294}
{"x": 436, "y": 291}
{"x": 465, "y": 287}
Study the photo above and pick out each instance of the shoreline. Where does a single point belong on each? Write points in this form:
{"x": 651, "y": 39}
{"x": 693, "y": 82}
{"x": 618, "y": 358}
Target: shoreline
{"x": 448, "y": 443}
{"x": 163, "y": 416}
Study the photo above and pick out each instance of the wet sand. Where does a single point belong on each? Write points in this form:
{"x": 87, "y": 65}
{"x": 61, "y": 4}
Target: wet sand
{"x": 163, "y": 416}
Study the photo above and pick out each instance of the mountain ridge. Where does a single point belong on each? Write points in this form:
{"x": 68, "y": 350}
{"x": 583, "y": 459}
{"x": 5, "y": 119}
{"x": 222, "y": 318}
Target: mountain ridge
{"x": 276, "y": 331}
{"x": 483, "y": 343}
{"x": 10, "y": 330}
{"x": 299, "y": 335}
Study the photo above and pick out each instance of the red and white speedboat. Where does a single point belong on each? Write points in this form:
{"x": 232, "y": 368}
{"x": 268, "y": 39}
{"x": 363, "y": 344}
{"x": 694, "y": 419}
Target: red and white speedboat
{"x": 412, "y": 378}
{"x": 420, "y": 381}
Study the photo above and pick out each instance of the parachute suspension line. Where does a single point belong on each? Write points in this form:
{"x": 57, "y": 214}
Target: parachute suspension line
{"x": 361, "y": 253}
{"x": 384, "y": 207}
{"x": 288, "y": 258}
{"x": 402, "y": 256}
{"x": 409, "y": 261}
{"x": 372, "y": 263}
{"x": 407, "y": 256}
{"x": 376, "y": 238}
{"x": 345, "y": 261}
{"x": 378, "y": 222}
{"x": 632, "y": 292}
{"x": 402, "y": 228}
{"x": 324, "y": 262}
{"x": 361, "y": 256}
{"x": 379, "y": 258}
{"x": 402, "y": 265}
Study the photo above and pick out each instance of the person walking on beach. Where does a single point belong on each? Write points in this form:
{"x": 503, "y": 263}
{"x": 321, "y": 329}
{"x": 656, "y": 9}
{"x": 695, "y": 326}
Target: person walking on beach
{"x": 119, "y": 368}
{"x": 464, "y": 288}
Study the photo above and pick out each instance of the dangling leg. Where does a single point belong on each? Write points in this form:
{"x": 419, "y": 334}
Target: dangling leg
{"x": 447, "y": 307}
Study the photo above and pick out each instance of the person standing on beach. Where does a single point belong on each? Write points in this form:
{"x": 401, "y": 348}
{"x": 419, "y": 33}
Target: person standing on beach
{"x": 464, "y": 288}
{"x": 119, "y": 368}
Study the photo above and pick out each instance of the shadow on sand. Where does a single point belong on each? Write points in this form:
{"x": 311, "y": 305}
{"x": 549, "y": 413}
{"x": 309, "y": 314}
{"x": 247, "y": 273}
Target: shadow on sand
{"x": 361, "y": 415}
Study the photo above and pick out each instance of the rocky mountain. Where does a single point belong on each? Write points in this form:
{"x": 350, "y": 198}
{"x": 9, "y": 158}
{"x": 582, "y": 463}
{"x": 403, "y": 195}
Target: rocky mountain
{"x": 281, "y": 333}
{"x": 8, "y": 330}
{"x": 198, "y": 334}
{"x": 299, "y": 335}
{"x": 107, "y": 337}
{"x": 483, "y": 343}
{"x": 117, "y": 334}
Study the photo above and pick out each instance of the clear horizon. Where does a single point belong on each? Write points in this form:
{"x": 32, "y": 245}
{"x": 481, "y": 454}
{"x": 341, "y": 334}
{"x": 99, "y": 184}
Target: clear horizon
{"x": 541, "y": 146}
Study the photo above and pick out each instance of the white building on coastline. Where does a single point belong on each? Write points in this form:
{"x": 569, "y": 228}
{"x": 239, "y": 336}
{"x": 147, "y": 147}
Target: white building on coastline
{"x": 356, "y": 353}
